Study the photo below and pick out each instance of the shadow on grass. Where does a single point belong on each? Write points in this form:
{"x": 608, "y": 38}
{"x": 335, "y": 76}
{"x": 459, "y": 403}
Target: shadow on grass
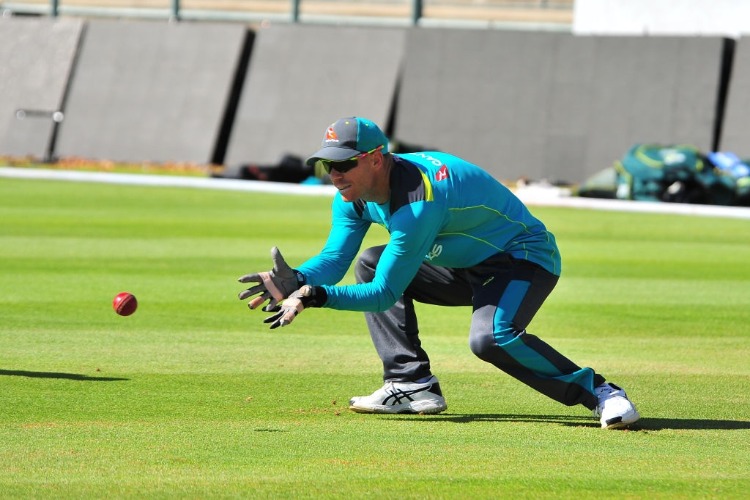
{"x": 497, "y": 417}
{"x": 644, "y": 424}
{"x": 68, "y": 376}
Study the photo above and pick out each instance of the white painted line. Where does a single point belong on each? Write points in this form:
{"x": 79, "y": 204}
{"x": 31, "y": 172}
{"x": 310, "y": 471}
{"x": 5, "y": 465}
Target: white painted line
{"x": 554, "y": 197}
{"x": 531, "y": 195}
{"x": 167, "y": 181}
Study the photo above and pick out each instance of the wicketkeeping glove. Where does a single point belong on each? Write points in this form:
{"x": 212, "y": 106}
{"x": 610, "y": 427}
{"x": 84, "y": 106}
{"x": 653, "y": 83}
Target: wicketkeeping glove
{"x": 307, "y": 296}
{"x": 276, "y": 284}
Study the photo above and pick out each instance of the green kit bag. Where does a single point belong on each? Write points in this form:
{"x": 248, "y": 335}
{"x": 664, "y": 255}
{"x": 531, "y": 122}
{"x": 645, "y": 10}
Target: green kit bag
{"x": 679, "y": 174}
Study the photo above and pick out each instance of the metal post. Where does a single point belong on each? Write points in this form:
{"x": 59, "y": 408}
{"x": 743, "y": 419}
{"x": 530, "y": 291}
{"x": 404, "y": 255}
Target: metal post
{"x": 295, "y": 10}
{"x": 54, "y": 7}
{"x": 175, "y": 15}
{"x": 416, "y": 12}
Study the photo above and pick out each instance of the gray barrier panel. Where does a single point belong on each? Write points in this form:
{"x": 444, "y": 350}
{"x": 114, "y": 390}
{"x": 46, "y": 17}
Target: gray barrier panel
{"x": 662, "y": 89}
{"x": 735, "y": 136}
{"x": 553, "y": 105}
{"x": 483, "y": 95}
{"x": 150, "y": 91}
{"x": 36, "y": 56}
{"x": 302, "y": 78}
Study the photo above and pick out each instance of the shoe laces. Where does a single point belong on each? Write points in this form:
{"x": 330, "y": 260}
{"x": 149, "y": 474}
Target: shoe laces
{"x": 605, "y": 390}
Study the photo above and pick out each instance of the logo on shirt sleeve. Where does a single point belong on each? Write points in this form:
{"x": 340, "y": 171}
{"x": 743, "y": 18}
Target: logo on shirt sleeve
{"x": 441, "y": 174}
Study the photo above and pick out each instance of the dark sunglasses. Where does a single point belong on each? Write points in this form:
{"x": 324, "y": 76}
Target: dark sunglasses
{"x": 343, "y": 166}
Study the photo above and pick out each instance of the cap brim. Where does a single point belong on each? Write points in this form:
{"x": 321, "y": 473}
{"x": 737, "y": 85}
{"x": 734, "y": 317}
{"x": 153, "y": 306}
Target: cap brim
{"x": 333, "y": 154}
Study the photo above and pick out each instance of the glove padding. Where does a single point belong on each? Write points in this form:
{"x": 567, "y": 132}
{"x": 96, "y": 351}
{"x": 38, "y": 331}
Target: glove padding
{"x": 307, "y": 296}
{"x": 276, "y": 284}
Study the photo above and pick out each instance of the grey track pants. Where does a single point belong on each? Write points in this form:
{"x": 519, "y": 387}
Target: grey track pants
{"x": 505, "y": 294}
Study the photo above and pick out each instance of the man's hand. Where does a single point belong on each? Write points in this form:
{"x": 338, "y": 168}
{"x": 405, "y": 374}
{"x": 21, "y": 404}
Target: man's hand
{"x": 307, "y": 296}
{"x": 275, "y": 284}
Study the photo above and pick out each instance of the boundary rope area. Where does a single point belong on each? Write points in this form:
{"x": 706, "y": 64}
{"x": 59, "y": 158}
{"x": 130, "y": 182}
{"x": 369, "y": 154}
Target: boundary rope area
{"x": 531, "y": 195}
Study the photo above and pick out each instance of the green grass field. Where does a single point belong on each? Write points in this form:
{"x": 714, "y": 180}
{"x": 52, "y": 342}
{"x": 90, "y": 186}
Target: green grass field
{"x": 193, "y": 397}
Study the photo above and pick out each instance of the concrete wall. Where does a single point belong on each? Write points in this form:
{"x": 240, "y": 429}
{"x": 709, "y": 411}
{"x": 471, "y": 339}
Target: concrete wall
{"x": 36, "y": 58}
{"x": 522, "y": 104}
{"x": 150, "y": 91}
{"x": 736, "y": 127}
{"x": 303, "y": 78}
{"x": 555, "y": 105}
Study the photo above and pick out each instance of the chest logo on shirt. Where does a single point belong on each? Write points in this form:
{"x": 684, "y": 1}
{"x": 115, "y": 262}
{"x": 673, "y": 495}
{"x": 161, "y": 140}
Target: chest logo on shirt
{"x": 441, "y": 174}
{"x": 435, "y": 252}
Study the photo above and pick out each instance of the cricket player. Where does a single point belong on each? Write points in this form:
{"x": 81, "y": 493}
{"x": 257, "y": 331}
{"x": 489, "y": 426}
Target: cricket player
{"x": 458, "y": 237}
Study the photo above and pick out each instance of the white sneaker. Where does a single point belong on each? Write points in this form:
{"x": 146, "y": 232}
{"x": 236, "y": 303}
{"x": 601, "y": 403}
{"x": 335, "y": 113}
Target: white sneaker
{"x": 614, "y": 409}
{"x": 402, "y": 397}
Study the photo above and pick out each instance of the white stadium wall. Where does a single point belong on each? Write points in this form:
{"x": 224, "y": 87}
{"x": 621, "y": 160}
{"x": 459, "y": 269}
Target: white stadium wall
{"x": 729, "y": 18}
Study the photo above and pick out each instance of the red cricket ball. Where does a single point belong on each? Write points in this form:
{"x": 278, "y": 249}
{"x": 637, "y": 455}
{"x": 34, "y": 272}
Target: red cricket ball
{"x": 125, "y": 303}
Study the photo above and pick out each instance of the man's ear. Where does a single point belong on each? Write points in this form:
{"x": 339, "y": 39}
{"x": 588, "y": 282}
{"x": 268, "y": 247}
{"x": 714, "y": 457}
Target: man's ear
{"x": 378, "y": 159}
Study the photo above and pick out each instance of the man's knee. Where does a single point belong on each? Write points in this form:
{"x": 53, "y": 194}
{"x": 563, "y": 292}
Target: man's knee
{"x": 364, "y": 270}
{"x": 483, "y": 343}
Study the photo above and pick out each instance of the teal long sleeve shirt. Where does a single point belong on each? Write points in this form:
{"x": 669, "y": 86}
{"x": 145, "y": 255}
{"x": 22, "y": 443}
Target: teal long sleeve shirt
{"x": 442, "y": 210}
